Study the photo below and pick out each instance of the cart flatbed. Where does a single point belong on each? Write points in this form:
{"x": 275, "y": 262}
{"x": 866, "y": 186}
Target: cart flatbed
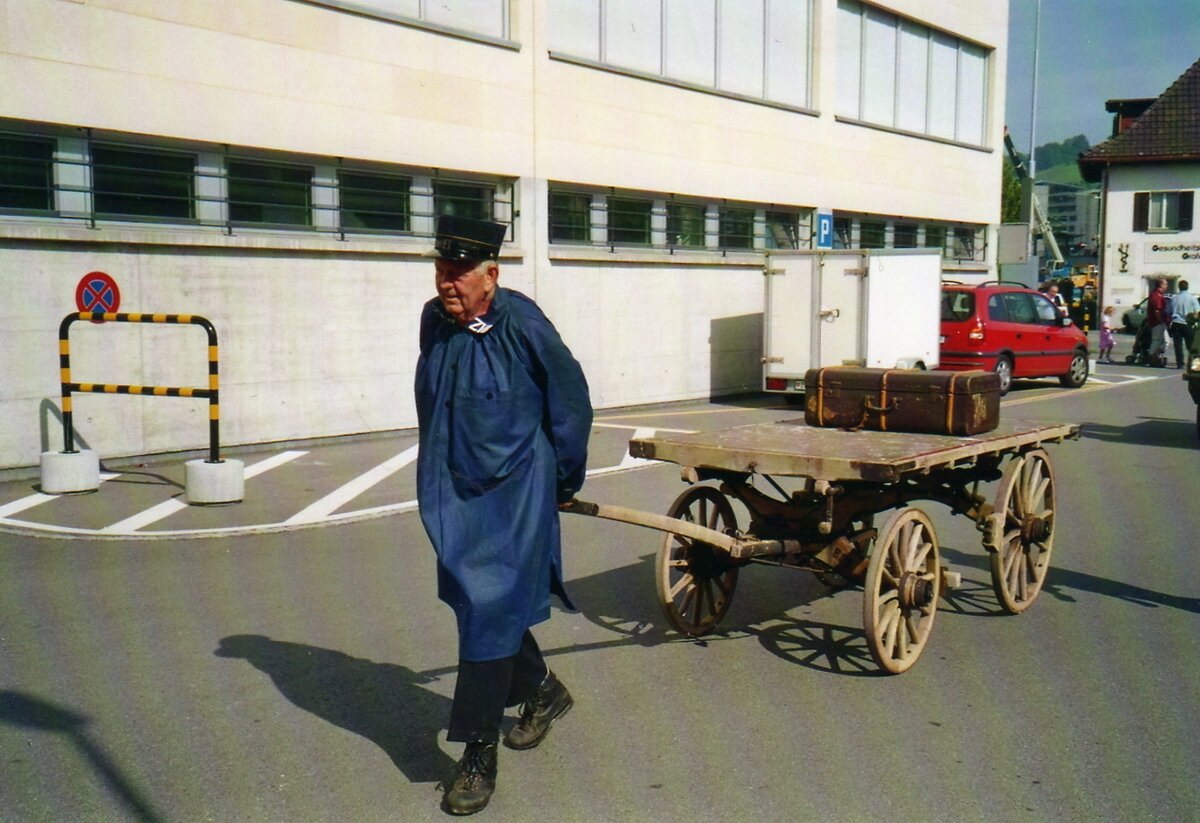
{"x": 827, "y": 526}
{"x": 791, "y": 448}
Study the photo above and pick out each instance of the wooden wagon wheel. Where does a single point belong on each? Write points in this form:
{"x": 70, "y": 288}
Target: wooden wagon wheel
{"x": 901, "y": 590}
{"x": 1025, "y": 534}
{"x": 695, "y": 580}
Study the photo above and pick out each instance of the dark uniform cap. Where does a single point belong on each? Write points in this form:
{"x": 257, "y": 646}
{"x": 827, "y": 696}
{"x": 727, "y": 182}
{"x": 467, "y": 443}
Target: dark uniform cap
{"x": 459, "y": 238}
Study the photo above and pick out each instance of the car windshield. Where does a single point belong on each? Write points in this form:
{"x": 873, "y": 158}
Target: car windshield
{"x": 957, "y": 305}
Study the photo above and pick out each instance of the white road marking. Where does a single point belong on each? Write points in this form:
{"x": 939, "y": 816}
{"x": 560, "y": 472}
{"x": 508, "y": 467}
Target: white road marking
{"x": 628, "y": 461}
{"x": 169, "y": 507}
{"x": 327, "y": 505}
{"x": 32, "y": 500}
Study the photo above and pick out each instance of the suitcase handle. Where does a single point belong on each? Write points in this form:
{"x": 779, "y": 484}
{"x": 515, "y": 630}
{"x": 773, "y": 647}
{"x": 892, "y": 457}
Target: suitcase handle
{"x": 868, "y": 406}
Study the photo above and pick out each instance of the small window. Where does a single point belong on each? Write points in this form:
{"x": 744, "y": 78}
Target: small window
{"x": 842, "y": 227}
{"x": 935, "y": 237}
{"x": 628, "y": 220}
{"x": 783, "y": 230}
{"x": 1162, "y": 210}
{"x": 872, "y": 234}
{"x": 463, "y": 200}
{"x": 1019, "y": 307}
{"x": 957, "y": 306}
{"x": 964, "y": 243}
{"x": 570, "y": 217}
{"x": 1047, "y": 313}
{"x": 996, "y": 310}
{"x": 685, "y": 225}
{"x": 904, "y": 236}
{"x": 737, "y": 229}
{"x": 136, "y": 182}
{"x": 374, "y": 202}
{"x": 26, "y": 173}
{"x": 270, "y": 193}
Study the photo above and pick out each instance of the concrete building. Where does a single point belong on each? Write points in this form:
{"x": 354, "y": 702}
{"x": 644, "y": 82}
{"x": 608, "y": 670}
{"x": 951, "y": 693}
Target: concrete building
{"x": 1150, "y": 173}
{"x": 276, "y": 166}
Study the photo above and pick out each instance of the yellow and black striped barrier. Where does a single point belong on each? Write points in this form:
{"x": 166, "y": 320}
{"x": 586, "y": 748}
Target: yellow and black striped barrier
{"x": 68, "y": 387}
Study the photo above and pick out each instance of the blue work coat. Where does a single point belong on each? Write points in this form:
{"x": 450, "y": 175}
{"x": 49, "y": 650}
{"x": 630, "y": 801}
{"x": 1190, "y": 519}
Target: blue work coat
{"x": 504, "y": 418}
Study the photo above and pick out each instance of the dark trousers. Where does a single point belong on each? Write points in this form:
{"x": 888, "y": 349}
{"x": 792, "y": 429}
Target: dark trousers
{"x": 1181, "y": 334}
{"x": 483, "y": 690}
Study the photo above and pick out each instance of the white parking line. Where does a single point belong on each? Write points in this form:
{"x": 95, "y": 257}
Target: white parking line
{"x": 32, "y": 500}
{"x": 169, "y": 507}
{"x": 327, "y": 505}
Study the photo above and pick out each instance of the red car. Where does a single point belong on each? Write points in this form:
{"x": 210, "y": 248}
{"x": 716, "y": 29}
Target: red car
{"x": 1011, "y": 330}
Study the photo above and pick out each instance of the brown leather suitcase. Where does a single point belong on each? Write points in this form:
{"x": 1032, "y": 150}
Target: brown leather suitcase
{"x": 926, "y": 402}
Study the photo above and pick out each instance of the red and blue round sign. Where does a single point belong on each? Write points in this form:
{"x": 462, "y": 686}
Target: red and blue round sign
{"x": 97, "y": 292}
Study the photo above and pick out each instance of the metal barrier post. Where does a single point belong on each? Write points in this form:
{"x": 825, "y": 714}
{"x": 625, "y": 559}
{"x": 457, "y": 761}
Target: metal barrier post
{"x": 220, "y": 483}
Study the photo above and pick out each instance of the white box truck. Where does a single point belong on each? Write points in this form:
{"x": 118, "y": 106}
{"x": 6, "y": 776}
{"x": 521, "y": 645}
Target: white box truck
{"x": 876, "y": 308}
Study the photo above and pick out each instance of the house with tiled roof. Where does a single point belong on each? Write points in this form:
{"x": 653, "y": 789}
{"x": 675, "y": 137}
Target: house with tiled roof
{"x": 1150, "y": 171}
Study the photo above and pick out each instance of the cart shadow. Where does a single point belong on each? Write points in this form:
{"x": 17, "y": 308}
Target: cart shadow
{"x": 1060, "y": 583}
{"x": 383, "y": 702}
{"x": 1151, "y": 431}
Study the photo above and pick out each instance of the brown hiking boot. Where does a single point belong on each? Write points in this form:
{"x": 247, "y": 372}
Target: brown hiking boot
{"x": 474, "y": 781}
{"x": 550, "y": 702}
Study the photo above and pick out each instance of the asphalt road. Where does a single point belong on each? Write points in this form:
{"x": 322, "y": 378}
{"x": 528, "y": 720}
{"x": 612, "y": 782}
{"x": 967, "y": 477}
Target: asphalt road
{"x": 304, "y": 673}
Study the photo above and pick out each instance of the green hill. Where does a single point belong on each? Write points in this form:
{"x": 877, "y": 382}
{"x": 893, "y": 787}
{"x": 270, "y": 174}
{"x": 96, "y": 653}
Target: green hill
{"x": 1067, "y": 173}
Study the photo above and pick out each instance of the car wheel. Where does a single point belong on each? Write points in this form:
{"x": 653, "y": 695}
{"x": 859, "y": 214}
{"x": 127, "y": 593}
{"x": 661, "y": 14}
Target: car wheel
{"x": 1004, "y": 368}
{"x": 1077, "y": 375}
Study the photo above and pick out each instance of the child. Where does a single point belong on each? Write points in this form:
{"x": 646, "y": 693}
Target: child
{"x": 1106, "y": 335}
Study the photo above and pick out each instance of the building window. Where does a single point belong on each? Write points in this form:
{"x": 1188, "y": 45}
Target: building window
{"x": 269, "y": 193}
{"x": 749, "y": 48}
{"x": 685, "y": 225}
{"x": 737, "y": 228}
{"x": 26, "y": 173}
{"x": 132, "y": 182}
{"x": 935, "y": 237}
{"x": 904, "y": 236}
{"x": 485, "y": 17}
{"x": 783, "y": 230}
{"x": 629, "y": 220}
{"x": 901, "y": 74}
{"x": 463, "y": 200}
{"x": 374, "y": 202}
{"x": 964, "y": 243}
{"x": 843, "y": 228}
{"x": 1163, "y": 210}
{"x": 872, "y": 234}
{"x": 570, "y": 217}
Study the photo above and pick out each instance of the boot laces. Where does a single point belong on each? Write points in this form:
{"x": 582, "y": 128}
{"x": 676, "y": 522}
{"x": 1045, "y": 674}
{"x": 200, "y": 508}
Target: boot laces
{"x": 474, "y": 762}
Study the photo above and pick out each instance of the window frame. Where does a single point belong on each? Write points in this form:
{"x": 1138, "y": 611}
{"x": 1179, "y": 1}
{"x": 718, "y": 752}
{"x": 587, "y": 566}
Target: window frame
{"x": 627, "y": 232}
{"x": 362, "y": 212}
{"x": 1144, "y": 207}
{"x": 305, "y": 187}
{"x": 138, "y": 173}
{"x": 44, "y": 165}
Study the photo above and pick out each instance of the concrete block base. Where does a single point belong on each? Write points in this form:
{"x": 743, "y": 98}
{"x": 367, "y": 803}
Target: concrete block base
{"x": 206, "y": 483}
{"x": 70, "y": 472}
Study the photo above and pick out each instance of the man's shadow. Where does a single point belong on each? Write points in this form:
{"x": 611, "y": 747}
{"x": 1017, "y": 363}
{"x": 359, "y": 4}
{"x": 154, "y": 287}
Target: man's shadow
{"x": 383, "y": 702}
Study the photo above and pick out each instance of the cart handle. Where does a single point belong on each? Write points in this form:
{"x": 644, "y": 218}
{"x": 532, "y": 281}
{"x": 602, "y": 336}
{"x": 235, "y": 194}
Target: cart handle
{"x": 739, "y": 548}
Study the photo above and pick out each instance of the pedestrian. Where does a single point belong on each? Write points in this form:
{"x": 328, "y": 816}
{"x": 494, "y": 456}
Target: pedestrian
{"x": 504, "y": 416}
{"x": 1056, "y": 299}
{"x": 1184, "y": 307}
{"x": 1106, "y": 335}
{"x": 1159, "y": 321}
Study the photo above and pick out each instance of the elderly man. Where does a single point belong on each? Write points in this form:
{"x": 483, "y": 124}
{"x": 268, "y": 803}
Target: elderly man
{"x": 504, "y": 417}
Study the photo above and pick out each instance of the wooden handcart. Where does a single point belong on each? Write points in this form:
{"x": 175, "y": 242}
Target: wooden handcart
{"x": 825, "y": 523}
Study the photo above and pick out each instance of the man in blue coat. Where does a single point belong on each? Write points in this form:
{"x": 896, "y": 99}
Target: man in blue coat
{"x": 504, "y": 417}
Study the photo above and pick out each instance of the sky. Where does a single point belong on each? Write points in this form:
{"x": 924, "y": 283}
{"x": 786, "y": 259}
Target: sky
{"x": 1090, "y": 51}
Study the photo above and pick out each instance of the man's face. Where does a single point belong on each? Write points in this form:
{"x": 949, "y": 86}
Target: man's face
{"x": 1161, "y": 285}
{"x": 466, "y": 286}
